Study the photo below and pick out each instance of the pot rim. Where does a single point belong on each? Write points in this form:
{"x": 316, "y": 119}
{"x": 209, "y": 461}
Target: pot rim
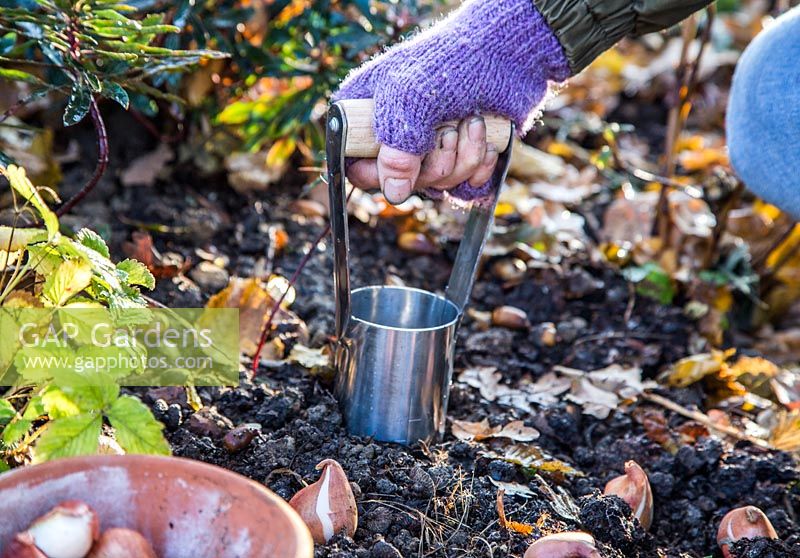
{"x": 69, "y": 465}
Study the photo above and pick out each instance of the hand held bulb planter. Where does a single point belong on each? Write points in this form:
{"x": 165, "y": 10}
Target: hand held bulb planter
{"x": 395, "y": 345}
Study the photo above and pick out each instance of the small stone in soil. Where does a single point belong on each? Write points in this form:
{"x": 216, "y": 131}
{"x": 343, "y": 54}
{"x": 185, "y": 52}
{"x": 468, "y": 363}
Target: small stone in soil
{"x": 174, "y": 417}
{"x": 209, "y": 277}
{"x": 382, "y": 549}
{"x": 241, "y": 436}
{"x": 208, "y": 422}
{"x": 170, "y": 394}
{"x": 379, "y": 520}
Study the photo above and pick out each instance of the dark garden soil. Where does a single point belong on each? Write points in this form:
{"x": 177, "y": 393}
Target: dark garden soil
{"x": 439, "y": 500}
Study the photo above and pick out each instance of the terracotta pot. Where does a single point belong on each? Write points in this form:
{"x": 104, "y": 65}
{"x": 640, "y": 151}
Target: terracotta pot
{"x": 183, "y": 507}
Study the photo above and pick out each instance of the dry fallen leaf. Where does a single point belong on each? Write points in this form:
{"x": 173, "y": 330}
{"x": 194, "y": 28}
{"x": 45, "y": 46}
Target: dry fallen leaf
{"x": 477, "y": 431}
{"x": 630, "y": 219}
{"x": 515, "y": 526}
{"x": 308, "y": 357}
{"x": 601, "y": 391}
{"x": 161, "y": 266}
{"x": 514, "y": 488}
{"x": 255, "y": 303}
{"x": 144, "y": 170}
{"x": 694, "y": 368}
{"x": 785, "y": 435}
{"x": 485, "y": 378}
{"x": 248, "y": 172}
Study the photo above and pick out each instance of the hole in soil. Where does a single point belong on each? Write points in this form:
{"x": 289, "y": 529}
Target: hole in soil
{"x": 402, "y": 308}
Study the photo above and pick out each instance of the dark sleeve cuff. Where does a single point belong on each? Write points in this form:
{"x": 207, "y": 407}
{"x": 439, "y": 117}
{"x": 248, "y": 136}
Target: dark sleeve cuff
{"x": 587, "y": 28}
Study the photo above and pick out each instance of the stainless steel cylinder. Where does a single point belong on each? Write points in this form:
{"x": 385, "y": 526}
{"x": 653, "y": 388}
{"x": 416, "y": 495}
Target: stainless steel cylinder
{"x": 396, "y": 366}
{"x": 395, "y": 346}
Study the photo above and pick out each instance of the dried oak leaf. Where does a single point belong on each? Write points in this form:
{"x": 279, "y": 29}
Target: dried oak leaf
{"x": 477, "y": 431}
{"x": 254, "y": 301}
{"x": 141, "y": 248}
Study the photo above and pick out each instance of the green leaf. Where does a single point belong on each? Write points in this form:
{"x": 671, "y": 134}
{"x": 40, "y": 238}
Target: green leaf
{"x": 58, "y": 404}
{"x": 7, "y": 42}
{"x": 34, "y": 410}
{"x": 19, "y": 181}
{"x": 80, "y": 100}
{"x": 91, "y": 393}
{"x": 18, "y": 75}
{"x": 70, "y": 278}
{"x": 137, "y": 431}
{"x": 69, "y": 436}
{"x": 137, "y": 273}
{"x": 14, "y": 432}
{"x": 7, "y": 412}
{"x": 651, "y": 281}
{"x": 92, "y": 240}
{"x": 116, "y": 92}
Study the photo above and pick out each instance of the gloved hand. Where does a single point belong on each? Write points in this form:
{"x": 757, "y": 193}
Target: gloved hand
{"x": 489, "y": 56}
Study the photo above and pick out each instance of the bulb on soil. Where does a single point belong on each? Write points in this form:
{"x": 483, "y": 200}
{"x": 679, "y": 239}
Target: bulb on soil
{"x": 634, "y": 488}
{"x": 66, "y": 531}
{"x": 416, "y": 243}
{"x": 510, "y": 317}
{"x": 122, "y": 543}
{"x": 564, "y": 545}
{"x": 328, "y": 506}
{"x": 748, "y": 522}
{"x": 509, "y": 269}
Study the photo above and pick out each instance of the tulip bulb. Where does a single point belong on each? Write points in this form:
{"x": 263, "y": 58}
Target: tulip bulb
{"x": 122, "y": 543}
{"x": 634, "y": 488}
{"x": 328, "y": 505}
{"x": 510, "y": 317}
{"x": 66, "y": 531}
{"x": 748, "y": 522}
{"x": 564, "y": 545}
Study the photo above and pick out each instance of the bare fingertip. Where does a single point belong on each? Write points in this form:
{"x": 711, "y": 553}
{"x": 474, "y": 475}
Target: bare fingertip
{"x": 477, "y": 129}
{"x": 449, "y": 139}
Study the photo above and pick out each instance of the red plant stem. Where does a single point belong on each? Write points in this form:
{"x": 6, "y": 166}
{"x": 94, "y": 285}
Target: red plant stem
{"x": 13, "y": 109}
{"x": 102, "y": 159}
{"x": 295, "y": 276}
{"x": 277, "y": 306}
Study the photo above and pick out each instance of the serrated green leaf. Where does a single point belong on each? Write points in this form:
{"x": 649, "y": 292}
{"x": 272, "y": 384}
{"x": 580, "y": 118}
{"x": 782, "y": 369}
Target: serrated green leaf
{"x": 14, "y": 432}
{"x": 7, "y": 412}
{"x": 92, "y": 240}
{"x": 19, "y": 181}
{"x": 69, "y": 436}
{"x": 137, "y": 431}
{"x": 137, "y": 273}
{"x": 69, "y": 278}
{"x": 90, "y": 393}
{"x": 116, "y": 92}
{"x": 80, "y": 100}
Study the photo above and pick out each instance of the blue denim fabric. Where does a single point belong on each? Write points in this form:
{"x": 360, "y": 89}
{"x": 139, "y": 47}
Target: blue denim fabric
{"x": 763, "y": 120}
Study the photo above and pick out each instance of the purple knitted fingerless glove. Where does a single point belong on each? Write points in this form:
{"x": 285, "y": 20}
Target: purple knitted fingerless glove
{"x": 489, "y": 56}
